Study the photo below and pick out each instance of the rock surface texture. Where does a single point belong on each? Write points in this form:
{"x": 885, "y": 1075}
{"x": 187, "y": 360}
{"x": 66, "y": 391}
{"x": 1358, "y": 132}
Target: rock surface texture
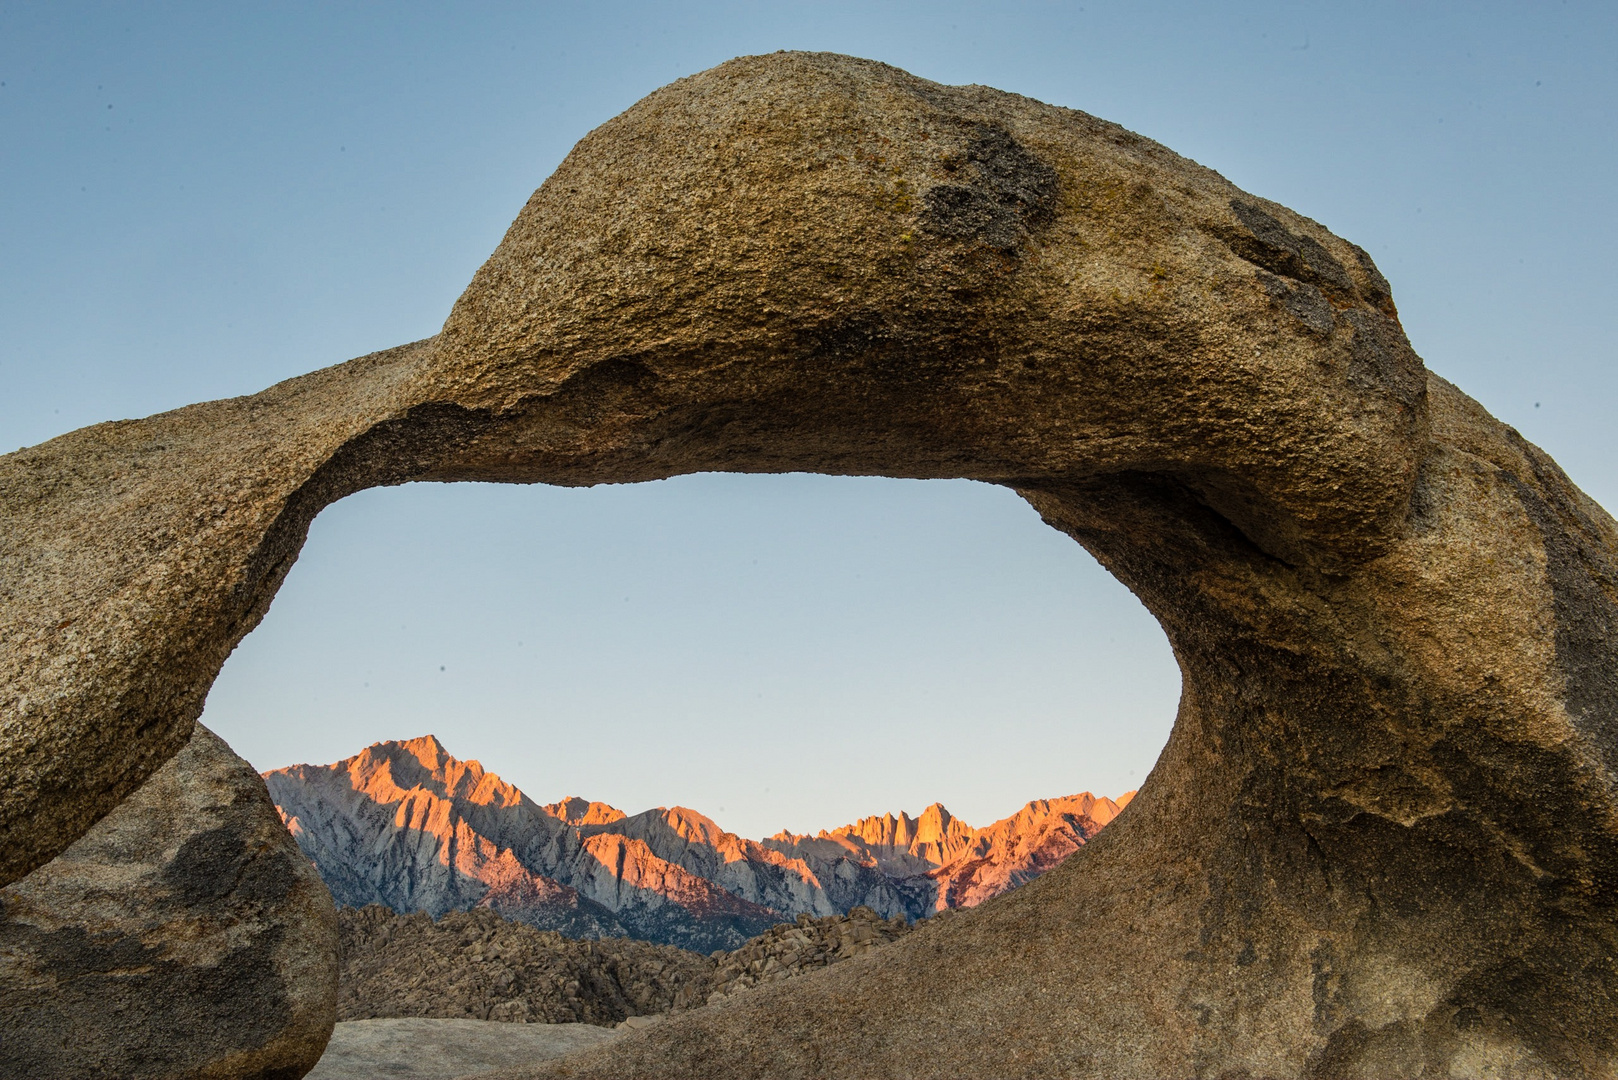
{"x": 792, "y": 949}
{"x": 1382, "y": 837}
{"x": 446, "y": 1049}
{"x": 475, "y": 965}
{"x": 183, "y": 936}
{"x": 408, "y": 826}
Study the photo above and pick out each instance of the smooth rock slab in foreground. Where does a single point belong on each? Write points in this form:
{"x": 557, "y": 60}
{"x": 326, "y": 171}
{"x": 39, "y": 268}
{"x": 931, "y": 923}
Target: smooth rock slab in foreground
{"x": 185, "y": 936}
{"x": 417, "y": 1049}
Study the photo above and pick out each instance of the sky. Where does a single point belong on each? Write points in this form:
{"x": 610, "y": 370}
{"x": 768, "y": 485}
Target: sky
{"x": 198, "y": 200}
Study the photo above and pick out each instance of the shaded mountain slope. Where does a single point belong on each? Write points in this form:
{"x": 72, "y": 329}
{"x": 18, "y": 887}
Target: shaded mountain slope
{"x": 408, "y": 826}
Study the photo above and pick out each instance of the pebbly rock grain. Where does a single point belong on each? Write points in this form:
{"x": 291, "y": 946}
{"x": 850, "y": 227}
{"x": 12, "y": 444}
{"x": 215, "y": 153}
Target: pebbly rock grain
{"x": 795, "y": 948}
{"x": 1383, "y": 837}
{"x": 184, "y": 936}
{"x": 475, "y": 965}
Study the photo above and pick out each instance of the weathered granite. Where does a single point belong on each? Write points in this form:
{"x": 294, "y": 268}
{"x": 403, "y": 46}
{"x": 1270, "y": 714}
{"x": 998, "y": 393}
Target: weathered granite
{"x": 475, "y": 965}
{"x": 184, "y": 936}
{"x": 1381, "y": 839}
{"x": 788, "y": 950}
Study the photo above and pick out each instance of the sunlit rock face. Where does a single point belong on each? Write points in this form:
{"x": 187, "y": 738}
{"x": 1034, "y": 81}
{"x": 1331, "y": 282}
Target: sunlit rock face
{"x": 406, "y": 825}
{"x": 937, "y": 862}
{"x": 1382, "y": 839}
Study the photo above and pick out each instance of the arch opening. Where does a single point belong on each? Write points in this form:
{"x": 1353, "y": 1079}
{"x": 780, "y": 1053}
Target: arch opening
{"x": 781, "y": 654}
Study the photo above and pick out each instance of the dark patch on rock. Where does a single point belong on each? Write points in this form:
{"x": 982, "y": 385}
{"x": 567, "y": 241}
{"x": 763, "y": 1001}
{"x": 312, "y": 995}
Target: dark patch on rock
{"x": 1381, "y": 359}
{"x": 1376, "y": 288}
{"x": 1305, "y": 302}
{"x": 216, "y": 867}
{"x": 71, "y": 952}
{"x": 1006, "y": 191}
{"x": 1273, "y": 246}
{"x": 849, "y": 336}
{"x": 1586, "y": 623}
{"x": 206, "y": 867}
{"x": 964, "y": 213}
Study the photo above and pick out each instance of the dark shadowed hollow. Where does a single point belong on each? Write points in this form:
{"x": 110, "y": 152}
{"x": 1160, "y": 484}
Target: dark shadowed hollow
{"x": 1381, "y": 838}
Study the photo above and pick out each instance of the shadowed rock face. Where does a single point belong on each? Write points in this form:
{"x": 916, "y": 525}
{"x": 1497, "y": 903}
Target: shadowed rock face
{"x": 1381, "y": 840}
{"x": 182, "y": 937}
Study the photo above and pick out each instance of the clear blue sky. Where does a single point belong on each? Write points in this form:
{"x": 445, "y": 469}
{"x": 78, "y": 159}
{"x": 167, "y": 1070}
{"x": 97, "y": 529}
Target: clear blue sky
{"x": 198, "y": 200}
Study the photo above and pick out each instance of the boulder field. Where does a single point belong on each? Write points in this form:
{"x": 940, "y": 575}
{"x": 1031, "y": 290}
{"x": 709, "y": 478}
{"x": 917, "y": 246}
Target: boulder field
{"x": 475, "y": 965}
{"x": 1381, "y": 840}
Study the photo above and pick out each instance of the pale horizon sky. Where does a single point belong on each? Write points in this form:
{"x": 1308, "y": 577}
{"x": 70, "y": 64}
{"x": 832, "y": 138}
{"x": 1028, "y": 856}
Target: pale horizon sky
{"x": 200, "y": 200}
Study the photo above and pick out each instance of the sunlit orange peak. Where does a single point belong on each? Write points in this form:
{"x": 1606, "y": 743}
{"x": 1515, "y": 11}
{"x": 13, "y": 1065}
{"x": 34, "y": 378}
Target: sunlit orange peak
{"x": 576, "y": 810}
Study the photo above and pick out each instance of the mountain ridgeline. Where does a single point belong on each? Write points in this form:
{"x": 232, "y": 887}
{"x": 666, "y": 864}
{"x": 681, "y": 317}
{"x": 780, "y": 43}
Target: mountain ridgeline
{"x": 406, "y": 825}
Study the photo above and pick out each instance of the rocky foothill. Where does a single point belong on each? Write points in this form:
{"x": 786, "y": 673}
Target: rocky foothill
{"x": 476, "y": 965}
{"x": 801, "y": 947}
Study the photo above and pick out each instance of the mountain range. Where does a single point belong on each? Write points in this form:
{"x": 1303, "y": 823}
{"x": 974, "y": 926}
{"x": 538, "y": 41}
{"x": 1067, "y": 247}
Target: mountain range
{"x": 407, "y": 825}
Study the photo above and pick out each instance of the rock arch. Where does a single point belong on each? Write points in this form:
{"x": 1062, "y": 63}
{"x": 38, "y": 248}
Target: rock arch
{"x": 1381, "y": 840}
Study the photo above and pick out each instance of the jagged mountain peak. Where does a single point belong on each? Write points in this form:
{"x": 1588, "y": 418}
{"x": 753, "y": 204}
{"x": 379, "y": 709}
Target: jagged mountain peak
{"x": 425, "y": 749}
{"x": 576, "y": 810}
{"x": 408, "y": 825}
{"x": 391, "y": 771}
{"x": 936, "y": 825}
{"x": 692, "y": 826}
